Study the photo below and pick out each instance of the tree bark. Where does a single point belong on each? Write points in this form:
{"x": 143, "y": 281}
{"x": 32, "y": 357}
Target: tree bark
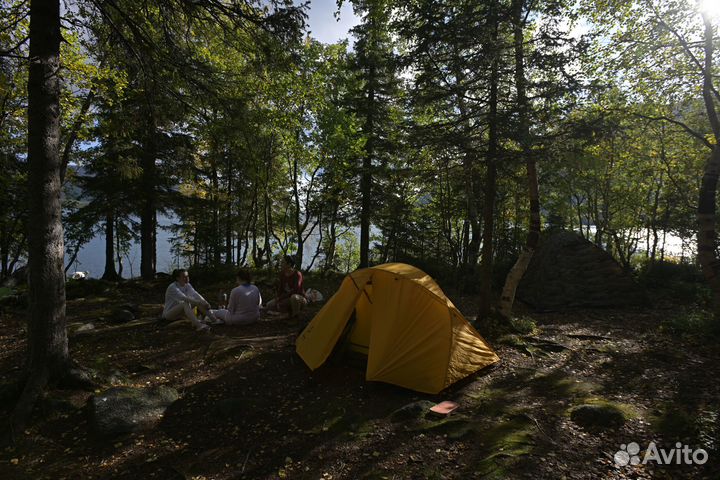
{"x": 366, "y": 176}
{"x": 110, "y": 273}
{"x": 147, "y": 213}
{"x": 215, "y": 235}
{"x": 118, "y": 249}
{"x": 48, "y": 355}
{"x": 518, "y": 270}
{"x": 490, "y": 180}
{"x": 707, "y": 236}
{"x": 228, "y": 214}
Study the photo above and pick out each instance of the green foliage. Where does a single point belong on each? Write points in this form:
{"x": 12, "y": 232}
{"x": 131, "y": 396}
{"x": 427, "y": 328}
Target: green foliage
{"x": 674, "y": 282}
{"x": 211, "y": 274}
{"x": 692, "y": 322}
{"x": 87, "y": 287}
{"x": 523, "y": 325}
{"x": 259, "y": 140}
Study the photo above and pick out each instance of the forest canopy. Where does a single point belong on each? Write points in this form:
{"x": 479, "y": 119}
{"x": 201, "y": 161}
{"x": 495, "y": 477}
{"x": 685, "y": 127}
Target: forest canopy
{"x": 409, "y": 145}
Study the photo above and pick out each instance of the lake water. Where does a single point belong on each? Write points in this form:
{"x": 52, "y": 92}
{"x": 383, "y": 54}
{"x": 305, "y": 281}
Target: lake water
{"x": 91, "y": 257}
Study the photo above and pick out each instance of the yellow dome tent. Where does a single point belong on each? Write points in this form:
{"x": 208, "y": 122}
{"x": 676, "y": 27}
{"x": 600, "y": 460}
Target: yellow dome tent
{"x": 412, "y": 334}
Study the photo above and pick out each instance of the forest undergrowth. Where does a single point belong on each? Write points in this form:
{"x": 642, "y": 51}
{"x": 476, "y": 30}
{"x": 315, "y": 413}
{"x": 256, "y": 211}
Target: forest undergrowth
{"x": 250, "y": 408}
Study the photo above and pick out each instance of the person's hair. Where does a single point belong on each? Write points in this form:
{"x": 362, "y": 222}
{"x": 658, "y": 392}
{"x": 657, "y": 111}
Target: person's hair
{"x": 244, "y": 274}
{"x": 177, "y": 272}
{"x": 290, "y": 260}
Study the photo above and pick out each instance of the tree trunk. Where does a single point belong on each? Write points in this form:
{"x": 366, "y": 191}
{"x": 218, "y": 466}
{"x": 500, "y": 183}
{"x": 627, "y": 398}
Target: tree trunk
{"x": 48, "y": 356}
{"x": 215, "y": 235}
{"x": 366, "y": 175}
{"x": 299, "y": 226}
{"x": 228, "y": 215}
{"x": 267, "y": 210}
{"x": 118, "y": 249}
{"x": 329, "y": 262}
{"x": 518, "y": 270}
{"x": 110, "y": 273}
{"x": 490, "y": 182}
{"x": 147, "y": 213}
{"x": 708, "y": 187}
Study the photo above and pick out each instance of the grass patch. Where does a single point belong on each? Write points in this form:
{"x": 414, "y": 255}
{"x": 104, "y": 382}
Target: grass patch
{"x": 675, "y": 423}
{"x": 455, "y": 428}
{"x": 627, "y": 410}
{"x": 506, "y": 444}
{"x": 558, "y": 384}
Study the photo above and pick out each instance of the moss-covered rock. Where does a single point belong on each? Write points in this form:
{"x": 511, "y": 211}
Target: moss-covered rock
{"x": 597, "y": 416}
{"x": 121, "y": 410}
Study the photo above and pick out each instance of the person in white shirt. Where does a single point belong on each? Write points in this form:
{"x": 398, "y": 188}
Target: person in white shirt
{"x": 181, "y": 297}
{"x": 244, "y": 302}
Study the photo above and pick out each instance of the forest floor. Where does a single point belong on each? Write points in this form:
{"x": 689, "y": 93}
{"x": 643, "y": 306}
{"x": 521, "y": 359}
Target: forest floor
{"x": 250, "y": 409}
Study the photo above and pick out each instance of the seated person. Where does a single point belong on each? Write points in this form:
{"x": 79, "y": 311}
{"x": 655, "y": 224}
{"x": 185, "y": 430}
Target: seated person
{"x": 290, "y": 294}
{"x": 244, "y": 303}
{"x": 181, "y": 297}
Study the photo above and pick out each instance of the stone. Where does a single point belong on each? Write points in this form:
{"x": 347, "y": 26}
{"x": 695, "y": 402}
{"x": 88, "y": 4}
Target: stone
{"x": 131, "y": 307}
{"x": 412, "y": 411}
{"x": 121, "y": 410}
{"x": 120, "y": 315}
{"x": 597, "y": 416}
{"x": 225, "y": 347}
{"x": 80, "y": 328}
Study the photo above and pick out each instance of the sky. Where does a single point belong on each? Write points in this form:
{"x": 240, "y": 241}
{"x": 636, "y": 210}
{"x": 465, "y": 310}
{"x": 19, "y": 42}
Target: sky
{"x": 324, "y": 26}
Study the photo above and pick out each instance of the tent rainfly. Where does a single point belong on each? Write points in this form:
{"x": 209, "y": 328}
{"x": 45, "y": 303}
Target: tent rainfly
{"x": 412, "y": 333}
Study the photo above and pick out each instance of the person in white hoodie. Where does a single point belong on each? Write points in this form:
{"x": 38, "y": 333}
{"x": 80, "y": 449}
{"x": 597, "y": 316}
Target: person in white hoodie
{"x": 244, "y": 303}
{"x": 181, "y": 297}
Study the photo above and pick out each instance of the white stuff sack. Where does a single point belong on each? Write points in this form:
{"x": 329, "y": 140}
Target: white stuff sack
{"x": 313, "y": 295}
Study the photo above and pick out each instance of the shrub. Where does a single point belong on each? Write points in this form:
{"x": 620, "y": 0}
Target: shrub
{"x": 87, "y": 287}
{"x": 692, "y": 322}
{"x": 523, "y": 325}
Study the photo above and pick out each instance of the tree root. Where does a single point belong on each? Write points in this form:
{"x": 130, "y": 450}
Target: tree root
{"x": 32, "y": 390}
{"x": 71, "y": 377}
{"x": 77, "y": 377}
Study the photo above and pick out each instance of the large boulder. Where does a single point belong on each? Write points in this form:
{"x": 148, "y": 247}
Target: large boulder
{"x": 120, "y": 410}
{"x": 568, "y": 271}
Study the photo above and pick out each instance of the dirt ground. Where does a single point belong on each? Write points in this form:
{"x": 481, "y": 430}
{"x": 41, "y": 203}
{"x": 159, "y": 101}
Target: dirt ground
{"x": 250, "y": 409}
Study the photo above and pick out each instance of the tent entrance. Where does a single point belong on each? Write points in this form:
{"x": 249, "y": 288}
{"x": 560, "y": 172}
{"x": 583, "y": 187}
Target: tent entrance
{"x": 358, "y": 340}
